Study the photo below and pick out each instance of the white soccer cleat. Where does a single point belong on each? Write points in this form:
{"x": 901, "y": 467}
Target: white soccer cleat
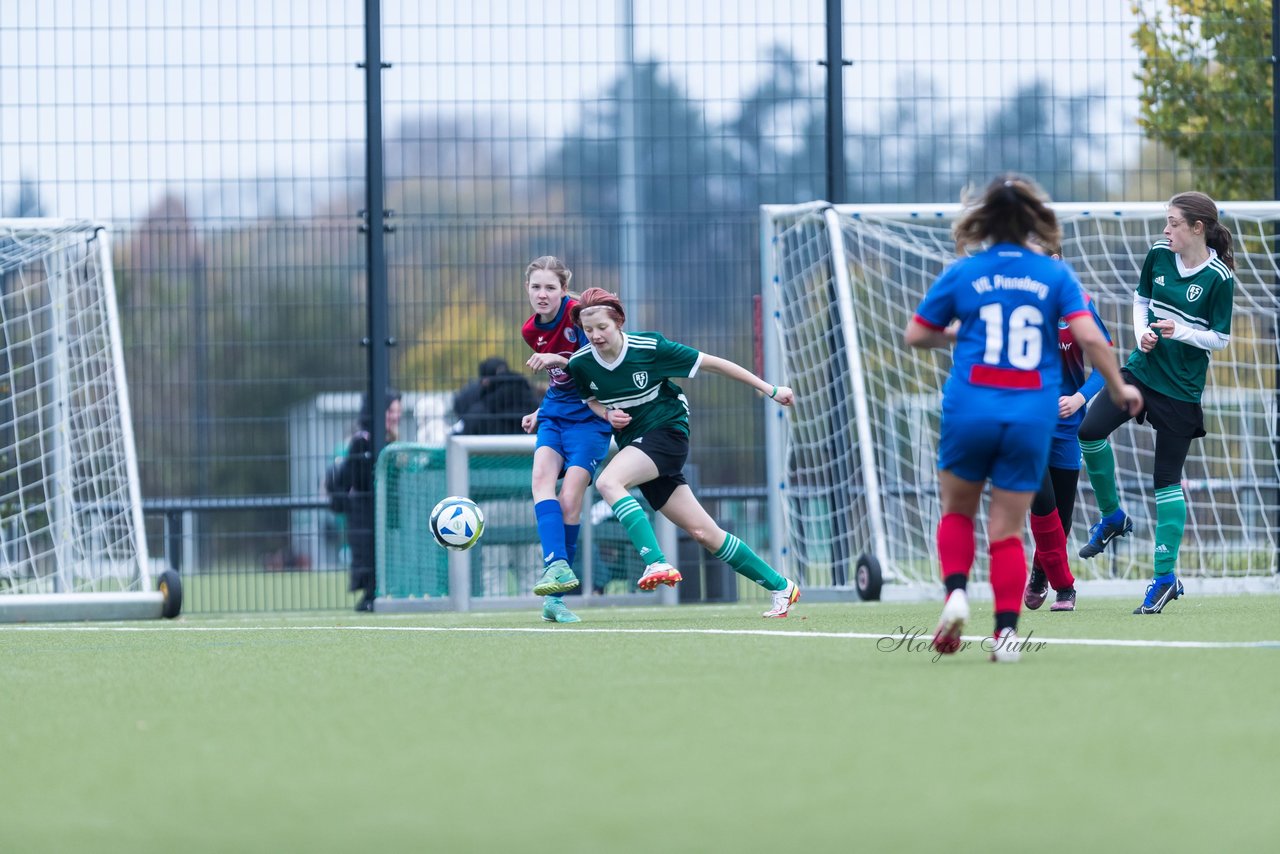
{"x": 1005, "y": 648}
{"x": 659, "y": 573}
{"x": 783, "y": 600}
{"x": 946, "y": 639}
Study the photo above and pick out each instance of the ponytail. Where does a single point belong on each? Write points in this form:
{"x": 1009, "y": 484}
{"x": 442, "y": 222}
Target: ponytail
{"x": 1218, "y": 239}
{"x": 1197, "y": 207}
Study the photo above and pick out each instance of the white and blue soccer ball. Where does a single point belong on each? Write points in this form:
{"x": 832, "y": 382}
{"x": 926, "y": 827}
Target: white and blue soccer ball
{"x": 457, "y": 523}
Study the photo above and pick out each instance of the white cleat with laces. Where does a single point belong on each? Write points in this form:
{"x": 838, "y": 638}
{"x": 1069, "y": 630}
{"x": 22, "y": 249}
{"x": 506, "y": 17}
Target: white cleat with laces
{"x": 783, "y": 600}
{"x": 659, "y": 573}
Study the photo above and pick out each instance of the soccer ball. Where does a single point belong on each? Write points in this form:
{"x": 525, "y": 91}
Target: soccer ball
{"x": 457, "y": 523}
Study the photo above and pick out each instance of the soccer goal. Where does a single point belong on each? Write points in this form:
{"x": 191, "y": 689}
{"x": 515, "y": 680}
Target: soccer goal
{"x": 855, "y": 458}
{"x": 416, "y": 574}
{"x": 72, "y": 543}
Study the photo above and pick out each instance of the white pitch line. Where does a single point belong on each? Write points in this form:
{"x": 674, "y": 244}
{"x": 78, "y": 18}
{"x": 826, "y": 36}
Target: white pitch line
{"x": 908, "y": 638}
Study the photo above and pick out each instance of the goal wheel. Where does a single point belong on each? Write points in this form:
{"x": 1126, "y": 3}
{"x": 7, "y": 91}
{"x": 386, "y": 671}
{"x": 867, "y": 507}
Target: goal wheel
{"x": 170, "y": 587}
{"x": 867, "y": 578}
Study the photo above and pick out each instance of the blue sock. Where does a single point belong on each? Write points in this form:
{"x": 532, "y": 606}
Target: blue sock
{"x": 1167, "y": 578}
{"x": 551, "y": 531}
{"x": 571, "y": 541}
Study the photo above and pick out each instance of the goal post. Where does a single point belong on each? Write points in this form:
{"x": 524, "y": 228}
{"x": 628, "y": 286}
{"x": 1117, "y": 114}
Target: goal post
{"x": 854, "y": 459}
{"x": 72, "y": 541}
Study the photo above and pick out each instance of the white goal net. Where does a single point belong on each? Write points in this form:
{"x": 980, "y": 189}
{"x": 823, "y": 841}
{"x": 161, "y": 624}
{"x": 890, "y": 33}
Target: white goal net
{"x": 856, "y": 457}
{"x": 70, "y": 504}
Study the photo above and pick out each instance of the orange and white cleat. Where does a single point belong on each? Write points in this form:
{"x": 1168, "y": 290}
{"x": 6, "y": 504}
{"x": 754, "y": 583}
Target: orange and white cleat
{"x": 659, "y": 573}
{"x": 783, "y": 600}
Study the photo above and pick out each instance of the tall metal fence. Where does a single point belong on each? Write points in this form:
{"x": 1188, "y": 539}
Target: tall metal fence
{"x": 227, "y": 145}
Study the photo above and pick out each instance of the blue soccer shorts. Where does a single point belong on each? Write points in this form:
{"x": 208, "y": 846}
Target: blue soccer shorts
{"x": 1012, "y": 456}
{"x": 1064, "y": 453}
{"x": 584, "y": 444}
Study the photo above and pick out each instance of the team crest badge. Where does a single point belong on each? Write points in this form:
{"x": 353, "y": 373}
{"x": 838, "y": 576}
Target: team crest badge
{"x": 1194, "y": 292}
{"x": 640, "y": 378}
{"x": 571, "y": 335}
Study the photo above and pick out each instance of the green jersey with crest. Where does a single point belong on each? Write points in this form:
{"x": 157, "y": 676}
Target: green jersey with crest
{"x": 639, "y": 382}
{"x": 1200, "y": 299}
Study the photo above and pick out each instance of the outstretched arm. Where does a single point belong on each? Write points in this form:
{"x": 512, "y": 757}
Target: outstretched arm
{"x": 725, "y": 368}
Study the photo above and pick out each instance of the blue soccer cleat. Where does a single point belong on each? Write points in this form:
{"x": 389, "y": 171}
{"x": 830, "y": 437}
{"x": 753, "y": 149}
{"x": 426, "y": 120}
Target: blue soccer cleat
{"x": 1160, "y": 592}
{"x": 1116, "y": 525}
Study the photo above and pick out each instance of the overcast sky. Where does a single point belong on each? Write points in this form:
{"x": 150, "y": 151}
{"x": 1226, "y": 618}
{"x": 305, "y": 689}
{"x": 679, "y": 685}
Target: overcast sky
{"x": 109, "y": 103}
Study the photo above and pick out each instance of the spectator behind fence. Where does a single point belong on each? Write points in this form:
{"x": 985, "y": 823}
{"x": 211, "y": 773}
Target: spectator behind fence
{"x": 494, "y": 403}
{"x": 349, "y": 483}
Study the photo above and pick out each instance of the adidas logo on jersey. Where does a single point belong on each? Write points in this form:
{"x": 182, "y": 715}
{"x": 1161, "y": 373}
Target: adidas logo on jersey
{"x": 593, "y": 387}
{"x": 1159, "y": 280}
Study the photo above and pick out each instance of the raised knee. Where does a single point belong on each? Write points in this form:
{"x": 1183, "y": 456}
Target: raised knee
{"x": 703, "y": 538}
{"x": 609, "y": 488}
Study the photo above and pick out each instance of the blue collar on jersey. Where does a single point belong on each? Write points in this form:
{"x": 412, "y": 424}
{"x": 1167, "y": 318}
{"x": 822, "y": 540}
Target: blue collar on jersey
{"x": 555, "y": 320}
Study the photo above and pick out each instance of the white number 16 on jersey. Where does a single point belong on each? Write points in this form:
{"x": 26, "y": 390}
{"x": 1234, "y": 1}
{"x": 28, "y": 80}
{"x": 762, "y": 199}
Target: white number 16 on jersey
{"x": 1024, "y": 336}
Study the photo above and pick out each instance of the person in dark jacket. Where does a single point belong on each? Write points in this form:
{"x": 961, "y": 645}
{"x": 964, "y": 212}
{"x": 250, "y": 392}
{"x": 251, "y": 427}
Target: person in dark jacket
{"x": 495, "y": 403}
{"x": 353, "y": 479}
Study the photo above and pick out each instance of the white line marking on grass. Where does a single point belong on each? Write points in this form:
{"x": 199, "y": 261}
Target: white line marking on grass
{"x": 1030, "y": 639}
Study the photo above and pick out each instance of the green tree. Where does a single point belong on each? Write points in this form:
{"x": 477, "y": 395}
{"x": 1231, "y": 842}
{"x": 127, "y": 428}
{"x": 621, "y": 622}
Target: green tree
{"x": 1205, "y": 77}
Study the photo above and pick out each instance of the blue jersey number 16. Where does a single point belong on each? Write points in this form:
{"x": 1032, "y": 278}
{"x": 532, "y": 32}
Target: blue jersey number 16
{"x": 1024, "y": 336}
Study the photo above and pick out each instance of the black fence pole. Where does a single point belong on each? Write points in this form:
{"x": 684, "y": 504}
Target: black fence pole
{"x": 377, "y": 337}
{"x": 1275, "y": 99}
{"x": 837, "y": 180}
{"x": 1275, "y": 192}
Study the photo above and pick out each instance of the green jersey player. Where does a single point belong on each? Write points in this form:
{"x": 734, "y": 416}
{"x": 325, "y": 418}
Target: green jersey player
{"x": 1181, "y": 313}
{"x": 626, "y": 378}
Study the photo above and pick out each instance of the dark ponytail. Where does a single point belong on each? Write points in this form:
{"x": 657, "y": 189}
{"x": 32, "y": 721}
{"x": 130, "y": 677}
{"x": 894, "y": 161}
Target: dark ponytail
{"x": 1197, "y": 207}
{"x": 1218, "y": 238}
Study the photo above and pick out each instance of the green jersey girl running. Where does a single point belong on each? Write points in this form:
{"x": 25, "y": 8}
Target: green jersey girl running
{"x": 626, "y": 378}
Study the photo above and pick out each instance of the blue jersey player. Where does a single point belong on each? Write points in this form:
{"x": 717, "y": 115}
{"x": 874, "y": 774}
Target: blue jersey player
{"x": 1000, "y": 308}
{"x": 1054, "y": 504}
{"x": 572, "y": 440}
